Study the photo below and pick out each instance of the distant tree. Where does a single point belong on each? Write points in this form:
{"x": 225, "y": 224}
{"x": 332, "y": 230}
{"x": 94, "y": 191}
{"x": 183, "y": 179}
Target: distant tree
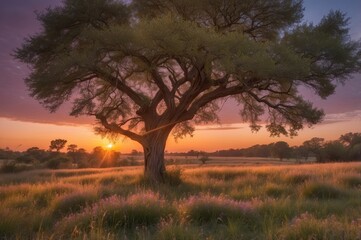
{"x": 135, "y": 152}
{"x": 204, "y": 158}
{"x": 31, "y": 155}
{"x": 352, "y": 142}
{"x": 35, "y": 154}
{"x": 96, "y": 156}
{"x": 81, "y": 158}
{"x": 98, "y": 152}
{"x": 354, "y": 153}
{"x": 314, "y": 146}
{"x": 150, "y": 67}
{"x": 72, "y": 148}
{"x": 351, "y": 139}
{"x": 7, "y": 154}
{"x": 60, "y": 161}
{"x": 57, "y": 144}
{"x": 72, "y": 152}
{"x": 281, "y": 150}
{"x": 258, "y": 150}
{"x": 334, "y": 151}
{"x": 301, "y": 152}
{"x": 193, "y": 153}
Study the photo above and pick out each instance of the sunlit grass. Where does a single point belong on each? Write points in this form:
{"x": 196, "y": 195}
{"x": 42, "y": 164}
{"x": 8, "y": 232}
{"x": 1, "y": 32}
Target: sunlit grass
{"x": 207, "y": 202}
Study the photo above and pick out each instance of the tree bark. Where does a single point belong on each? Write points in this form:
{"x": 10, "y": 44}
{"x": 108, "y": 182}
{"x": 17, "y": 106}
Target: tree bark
{"x": 154, "y": 146}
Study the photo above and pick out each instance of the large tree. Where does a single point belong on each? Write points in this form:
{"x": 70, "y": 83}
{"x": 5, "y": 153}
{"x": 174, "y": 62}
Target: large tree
{"x": 147, "y": 68}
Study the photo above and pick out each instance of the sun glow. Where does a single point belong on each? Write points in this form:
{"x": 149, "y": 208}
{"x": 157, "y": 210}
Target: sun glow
{"x": 110, "y": 146}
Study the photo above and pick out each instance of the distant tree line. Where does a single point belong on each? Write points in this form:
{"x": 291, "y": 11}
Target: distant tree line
{"x": 53, "y": 158}
{"x": 346, "y": 148}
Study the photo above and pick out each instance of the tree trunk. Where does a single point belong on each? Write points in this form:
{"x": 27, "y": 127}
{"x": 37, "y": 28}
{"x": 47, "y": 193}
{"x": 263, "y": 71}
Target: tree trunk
{"x": 154, "y": 168}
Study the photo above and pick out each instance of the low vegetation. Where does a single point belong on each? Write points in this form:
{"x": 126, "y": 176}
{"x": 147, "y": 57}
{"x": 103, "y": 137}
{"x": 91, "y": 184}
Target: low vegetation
{"x": 206, "y": 202}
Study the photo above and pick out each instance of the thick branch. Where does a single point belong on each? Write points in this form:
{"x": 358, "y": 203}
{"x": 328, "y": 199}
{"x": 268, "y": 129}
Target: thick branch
{"x": 116, "y": 129}
{"x": 121, "y": 86}
{"x": 211, "y": 96}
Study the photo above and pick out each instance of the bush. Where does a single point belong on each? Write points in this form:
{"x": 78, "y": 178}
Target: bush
{"x": 321, "y": 191}
{"x": 115, "y": 212}
{"x": 351, "y": 181}
{"x": 206, "y": 208}
{"x": 225, "y": 175}
{"x": 204, "y": 159}
{"x": 297, "y": 178}
{"x": 168, "y": 230}
{"x": 26, "y": 159}
{"x": 73, "y": 202}
{"x": 128, "y": 161}
{"x": 275, "y": 191}
{"x": 173, "y": 176}
{"x": 306, "y": 226}
{"x": 59, "y": 162}
{"x": 12, "y": 167}
{"x": 138, "y": 209}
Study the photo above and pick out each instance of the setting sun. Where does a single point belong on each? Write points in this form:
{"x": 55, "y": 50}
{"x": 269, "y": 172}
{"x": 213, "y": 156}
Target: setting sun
{"x": 109, "y": 146}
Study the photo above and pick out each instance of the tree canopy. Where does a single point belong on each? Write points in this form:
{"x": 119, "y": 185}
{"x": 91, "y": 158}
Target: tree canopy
{"x": 57, "y": 144}
{"x": 149, "y": 67}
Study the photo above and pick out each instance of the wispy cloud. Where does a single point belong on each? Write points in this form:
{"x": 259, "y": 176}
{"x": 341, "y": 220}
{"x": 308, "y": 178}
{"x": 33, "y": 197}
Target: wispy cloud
{"x": 342, "y": 117}
{"x": 219, "y": 127}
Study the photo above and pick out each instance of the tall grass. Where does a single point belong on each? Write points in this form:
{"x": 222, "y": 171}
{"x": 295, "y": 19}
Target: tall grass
{"x": 265, "y": 202}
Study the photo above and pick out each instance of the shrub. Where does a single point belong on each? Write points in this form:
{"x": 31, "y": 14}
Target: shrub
{"x": 275, "y": 191}
{"x": 168, "y": 230}
{"x": 128, "y": 161}
{"x": 351, "y": 181}
{"x": 224, "y": 175}
{"x": 173, "y": 176}
{"x": 12, "y": 167}
{"x": 206, "y": 208}
{"x": 306, "y": 226}
{"x": 297, "y": 178}
{"x": 321, "y": 191}
{"x": 11, "y": 222}
{"x": 59, "y": 162}
{"x": 73, "y": 202}
{"x": 140, "y": 209}
{"x": 204, "y": 159}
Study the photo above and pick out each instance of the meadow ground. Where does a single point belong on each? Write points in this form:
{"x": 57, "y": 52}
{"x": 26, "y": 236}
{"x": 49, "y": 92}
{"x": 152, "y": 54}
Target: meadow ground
{"x": 308, "y": 201}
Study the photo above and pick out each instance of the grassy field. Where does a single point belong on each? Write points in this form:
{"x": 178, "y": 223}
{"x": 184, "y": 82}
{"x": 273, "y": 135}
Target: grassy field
{"x": 199, "y": 202}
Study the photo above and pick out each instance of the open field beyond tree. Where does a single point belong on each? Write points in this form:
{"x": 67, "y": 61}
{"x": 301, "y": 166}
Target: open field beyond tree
{"x": 314, "y": 201}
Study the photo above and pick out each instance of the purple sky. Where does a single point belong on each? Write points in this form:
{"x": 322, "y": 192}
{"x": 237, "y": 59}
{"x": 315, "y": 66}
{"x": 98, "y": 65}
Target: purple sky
{"x": 18, "y": 20}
